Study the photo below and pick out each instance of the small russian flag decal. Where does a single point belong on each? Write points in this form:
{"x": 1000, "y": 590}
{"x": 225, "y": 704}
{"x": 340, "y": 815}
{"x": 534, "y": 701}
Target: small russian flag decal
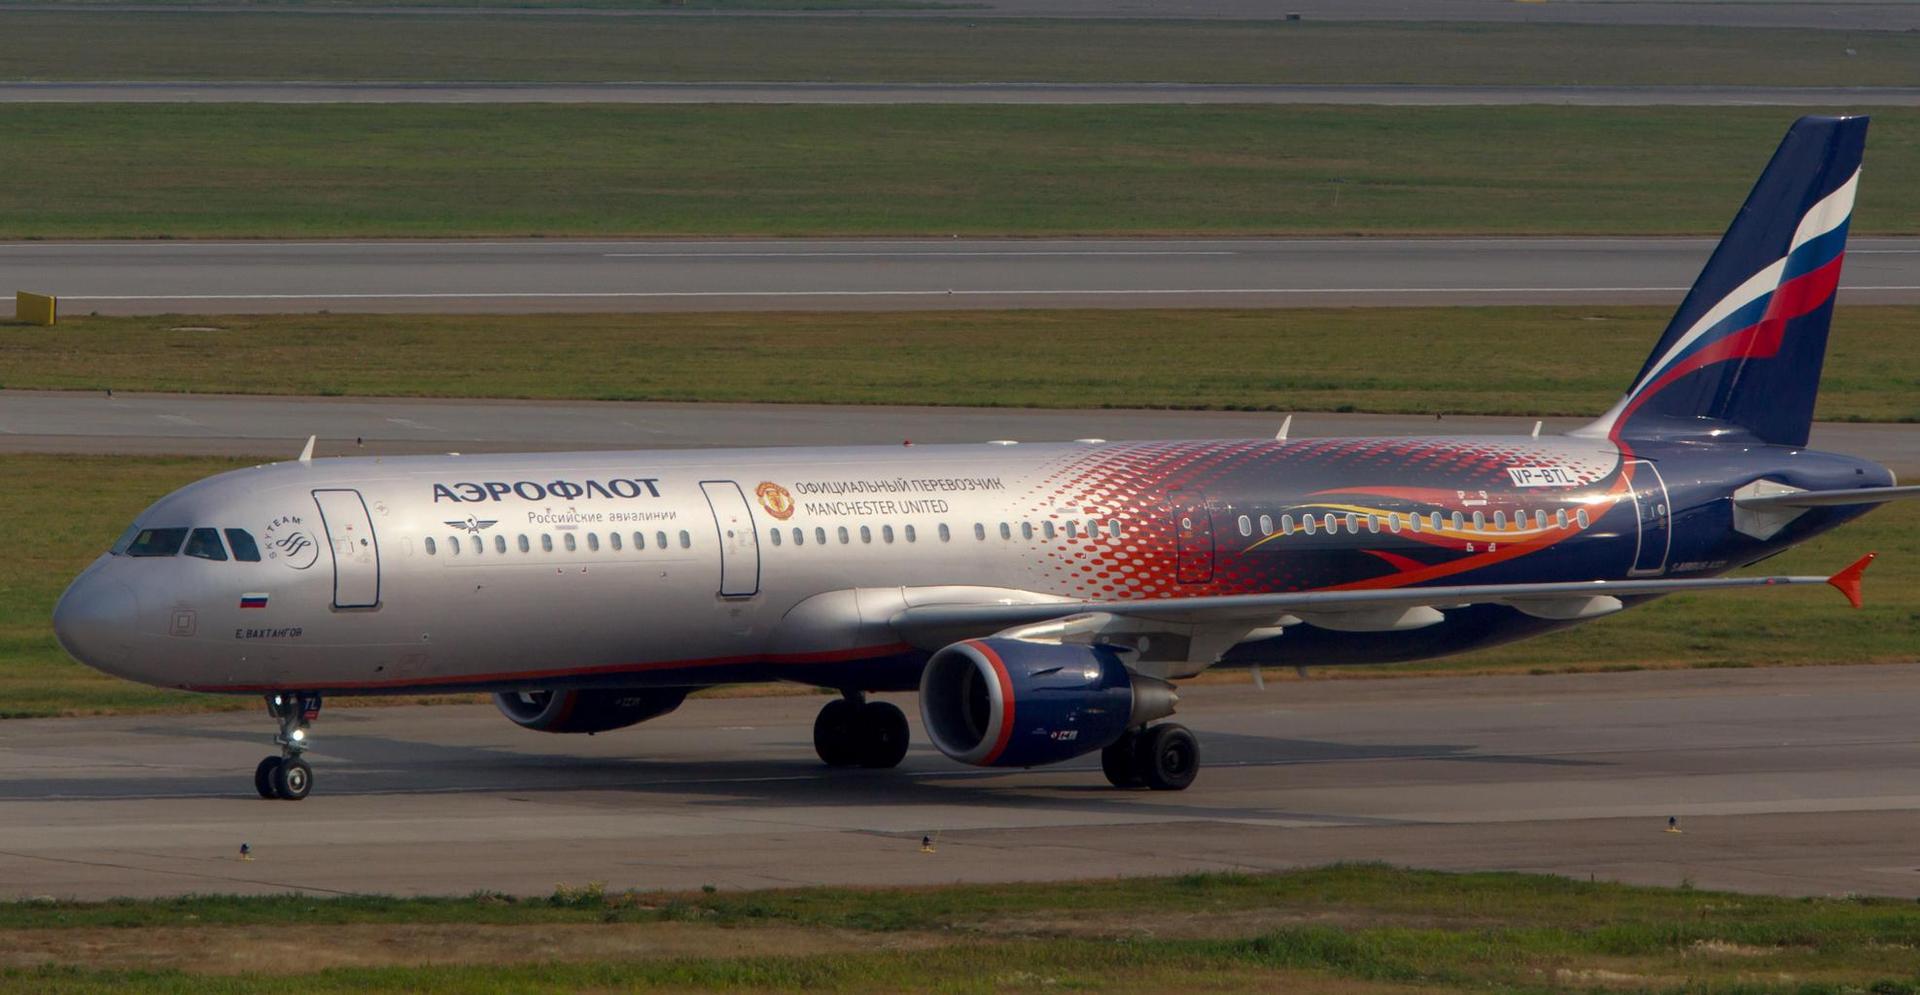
{"x": 253, "y": 601}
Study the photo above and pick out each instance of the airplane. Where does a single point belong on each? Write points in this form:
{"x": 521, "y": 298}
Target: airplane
{"x": 1043, "y": 600}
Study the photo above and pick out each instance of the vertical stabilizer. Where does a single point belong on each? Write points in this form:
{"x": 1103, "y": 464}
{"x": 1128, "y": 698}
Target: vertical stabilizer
{"x": 1743, "y": 353}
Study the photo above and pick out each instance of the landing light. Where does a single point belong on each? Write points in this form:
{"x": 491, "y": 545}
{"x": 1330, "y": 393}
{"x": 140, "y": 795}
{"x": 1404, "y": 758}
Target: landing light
{"x": 298, "y": 735}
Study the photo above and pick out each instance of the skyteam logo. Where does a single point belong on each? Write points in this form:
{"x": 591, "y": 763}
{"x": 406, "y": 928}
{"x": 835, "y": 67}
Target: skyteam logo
{"x": 287, "y": 541}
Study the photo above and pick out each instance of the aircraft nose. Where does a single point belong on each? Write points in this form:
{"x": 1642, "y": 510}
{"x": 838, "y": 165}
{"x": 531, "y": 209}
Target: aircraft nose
{"x": 94, "y": 621}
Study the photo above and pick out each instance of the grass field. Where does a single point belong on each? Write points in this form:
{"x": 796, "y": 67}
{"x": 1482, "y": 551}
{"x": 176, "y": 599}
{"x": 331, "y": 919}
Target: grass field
{"x": 197, "y": 45}
{"x": 1346, "y": 929}
{"x": 149, "y": 171}
{"x": 64, "y": 510}
{"x": 1518, "y": 361}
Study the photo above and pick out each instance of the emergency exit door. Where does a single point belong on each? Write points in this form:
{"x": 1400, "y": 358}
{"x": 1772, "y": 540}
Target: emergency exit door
{"x": 355, "y": 549}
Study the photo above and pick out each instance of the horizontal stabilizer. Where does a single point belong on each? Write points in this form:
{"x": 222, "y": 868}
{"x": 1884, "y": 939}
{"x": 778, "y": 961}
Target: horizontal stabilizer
{"x": 1827, "y": 499}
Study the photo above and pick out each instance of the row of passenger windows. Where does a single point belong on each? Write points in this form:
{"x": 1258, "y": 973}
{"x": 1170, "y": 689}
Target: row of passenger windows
{"x": 201, "y": 542}
{"x": 1394, "y": 522}
{"x": 568, "y": 542}
{"x": 1047, "y": 530}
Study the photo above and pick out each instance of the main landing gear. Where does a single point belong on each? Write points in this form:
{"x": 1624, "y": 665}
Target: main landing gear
{"x": 287, "y": 776}
{"x": 1165, "y": 757}
{"x": 855, "y": 732}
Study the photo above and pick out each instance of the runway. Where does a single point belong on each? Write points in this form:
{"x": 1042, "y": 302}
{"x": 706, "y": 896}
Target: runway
{"x": 1392, "y": 95}
{"x": 528, "y": 275}
{"x": 276, "y": 427}
{"x": 1871, "y": 15}
{"x": 1796, "y": 781}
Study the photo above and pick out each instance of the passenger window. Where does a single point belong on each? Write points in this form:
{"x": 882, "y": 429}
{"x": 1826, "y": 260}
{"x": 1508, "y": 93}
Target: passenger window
{"x": 453, "y": 545}
{"x": 1246, "y": 526}
{"x": 1479, "y": 522}
{"x": 1113, "y": 528}
{"x": 572, "y": 544}
{"x": 524, "y": 546}
{"x": 774, "y": 534}
{"x": 844, "y": 538}
{"x": 886, "y": 533}
{"x": 980, "y": 532}
{"x": 244, "y": 548}
{"x": 1047, "y": 527}
{"x": 593, "y": 542}
{"x": 499, "y": 544}
{"x": 1286, "y": 525}
{"x": 205, "y": 544}
{"x": 1433, "y": 521}
{"x": 1458, "y": 522}
{"x": 1560, "y": 517}
{"x": 911, "y": 535}
{"x": 1026, "y": 530}
{"x": 945, "y": 534}
{"x": 1500, "y": 520}
{"x": 1413, "y": 521}
{"x": 1373, "y": 523}
{"x": 820, "y": 535}
{"x": 1312, "y": 524}
{"x": 474, "y": 543}
{"x": 1073, "y": 529}
{"x": 1393, "y": 522}
{"x": 1266, "y": 525}
{"x": 613, "y": 539}
{"x": 660, "y": 540}
{"x": 1540, "y": 520}
{"x": 1006, "y": 531}
{"x": 1352, "y": 522}
{"x": 866, "y": 534}
{"x": 799, "y": 537}
{"x": 1329, "y": 522}
{"x": 1582, "y": 517}
{"x": 157, "y": 542}
{"x": 429, "y": 544}
{"x": 686, "y": 540}
{"x": 639, "y": 540}
{"x": 546, "y": 542}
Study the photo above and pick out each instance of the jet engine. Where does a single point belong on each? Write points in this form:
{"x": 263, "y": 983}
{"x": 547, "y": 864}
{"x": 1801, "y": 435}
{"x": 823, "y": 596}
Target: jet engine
{"x": 587, "y": 710}
{"x": 1011, "y": 703}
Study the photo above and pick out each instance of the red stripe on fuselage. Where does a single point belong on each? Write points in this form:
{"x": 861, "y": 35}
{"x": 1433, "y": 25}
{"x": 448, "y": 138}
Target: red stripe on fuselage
{"x": 401, "y": 684}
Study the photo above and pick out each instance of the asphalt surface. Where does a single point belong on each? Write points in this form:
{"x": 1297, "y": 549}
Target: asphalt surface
{"x": 1796, "y": 781}
{"x": 276, "y": 427}
{"x": 948, "y": 93}
{"x": 1875, "y": 15}
{"x": 163, "y": 277}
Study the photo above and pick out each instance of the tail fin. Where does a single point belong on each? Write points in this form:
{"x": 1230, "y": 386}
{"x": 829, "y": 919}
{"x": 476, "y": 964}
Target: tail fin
{"x": 1744, "y": 351}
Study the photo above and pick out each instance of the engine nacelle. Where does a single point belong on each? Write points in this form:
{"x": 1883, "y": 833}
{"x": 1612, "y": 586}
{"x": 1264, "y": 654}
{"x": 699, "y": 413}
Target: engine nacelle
{"x": 1012, "y": 703}
{"x": 587, "y": 710}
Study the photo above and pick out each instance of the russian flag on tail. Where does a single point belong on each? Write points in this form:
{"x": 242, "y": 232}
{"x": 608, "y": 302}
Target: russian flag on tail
{"x": 253, "y": 600}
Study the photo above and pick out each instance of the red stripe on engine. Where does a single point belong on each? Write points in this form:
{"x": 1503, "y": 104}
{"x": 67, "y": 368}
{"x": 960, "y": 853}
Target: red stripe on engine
{"x": 1006, "y": 701}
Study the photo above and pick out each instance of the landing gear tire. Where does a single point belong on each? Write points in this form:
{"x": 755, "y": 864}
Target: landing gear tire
{"x": 883, "y": 735}
{"x": 263, "y": 777}
{"x": 852, "y": 733}
{"x": 835, "y": 733}
{"x": 292, "y": 779}
{"x": 1168, "y": 757}
{"x": 1120, "y": 762}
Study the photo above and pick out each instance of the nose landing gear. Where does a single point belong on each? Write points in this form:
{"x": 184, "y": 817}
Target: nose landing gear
{"x": 287, "y": 776}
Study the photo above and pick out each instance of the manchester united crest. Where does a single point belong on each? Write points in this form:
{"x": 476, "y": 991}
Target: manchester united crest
{"x": 776, "y": 499}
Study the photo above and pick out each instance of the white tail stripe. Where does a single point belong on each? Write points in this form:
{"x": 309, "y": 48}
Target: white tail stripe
{"x": 1832, "y": 212}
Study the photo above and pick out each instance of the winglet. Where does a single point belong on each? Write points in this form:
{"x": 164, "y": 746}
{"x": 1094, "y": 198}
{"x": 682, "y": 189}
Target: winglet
{"x": 1847, "y": 581}
{"x": 1285, "y": 427}
{"x": 306, "y": 455}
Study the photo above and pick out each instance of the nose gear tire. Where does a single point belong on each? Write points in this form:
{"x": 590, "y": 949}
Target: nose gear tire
{"x": 263, "y": 777}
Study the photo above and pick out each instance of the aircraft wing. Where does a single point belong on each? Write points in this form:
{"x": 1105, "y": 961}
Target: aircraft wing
{"x": 1823, "y": 499}
{"x": 1352, "y": 610}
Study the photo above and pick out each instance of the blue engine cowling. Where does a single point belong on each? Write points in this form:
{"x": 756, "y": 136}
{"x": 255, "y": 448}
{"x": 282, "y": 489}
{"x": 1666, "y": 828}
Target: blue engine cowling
{"x": 1012, "y": 703}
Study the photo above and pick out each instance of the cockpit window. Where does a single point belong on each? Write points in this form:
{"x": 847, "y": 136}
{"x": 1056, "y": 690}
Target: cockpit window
{"x": 126, "y": 539}
{"x": 157, "y": 542}
{"x": 244, "y": 548}
{"x": 205, "y": 543}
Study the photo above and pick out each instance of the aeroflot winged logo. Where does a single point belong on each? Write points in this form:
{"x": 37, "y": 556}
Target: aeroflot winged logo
{"x": 289, "y": 542}
{"x": 473, "y": 525}
{"x": 776, "y": 499}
